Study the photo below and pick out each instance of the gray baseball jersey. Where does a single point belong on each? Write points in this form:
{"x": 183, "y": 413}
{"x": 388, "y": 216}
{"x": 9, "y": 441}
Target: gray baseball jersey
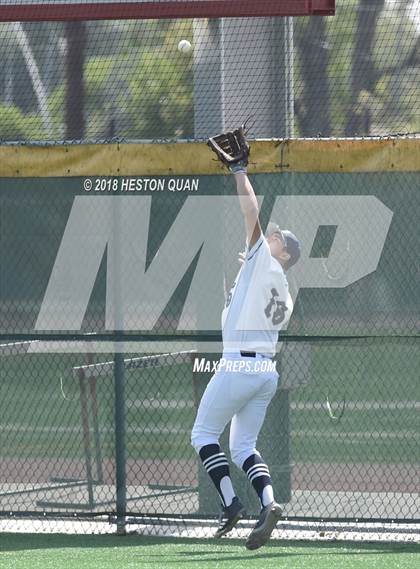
{"x": 258, "y": 305}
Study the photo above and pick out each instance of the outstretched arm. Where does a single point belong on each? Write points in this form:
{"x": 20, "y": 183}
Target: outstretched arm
{"x": 249, "y": 207}
{"x": 233, "y": 150}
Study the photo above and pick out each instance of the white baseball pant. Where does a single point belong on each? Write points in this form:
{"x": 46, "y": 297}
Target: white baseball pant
{"x": 241, "y": 397}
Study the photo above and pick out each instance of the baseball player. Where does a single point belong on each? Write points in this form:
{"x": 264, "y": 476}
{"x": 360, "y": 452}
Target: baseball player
{"x": 257, "y": 308}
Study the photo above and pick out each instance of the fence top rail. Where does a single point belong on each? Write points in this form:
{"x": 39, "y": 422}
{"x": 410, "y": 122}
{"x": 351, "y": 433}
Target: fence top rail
{"x": 83, "y": 10}
{"x": 14, "y": 348}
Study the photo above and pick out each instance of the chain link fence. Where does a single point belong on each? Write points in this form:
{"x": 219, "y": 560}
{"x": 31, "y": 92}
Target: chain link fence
{"x": 340, "y": 436}
{"x": 115, "y": 259}
{"x": 96, "y": 426}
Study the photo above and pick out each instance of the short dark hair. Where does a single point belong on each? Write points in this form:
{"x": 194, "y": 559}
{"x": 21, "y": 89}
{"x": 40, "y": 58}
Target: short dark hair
{"x": 291, "y": 241}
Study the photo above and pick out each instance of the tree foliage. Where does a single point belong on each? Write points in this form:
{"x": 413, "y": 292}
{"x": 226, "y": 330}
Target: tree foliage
{"x": 16, "y": 126}
{"x": 372, "y": 52}
{"x": 161, "y": 103}
{"x": 144, "y": 92}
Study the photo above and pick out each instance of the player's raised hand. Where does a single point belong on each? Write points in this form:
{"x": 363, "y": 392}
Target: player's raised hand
{"x": 241, "y": 257}
{"x": 232, "y": 149}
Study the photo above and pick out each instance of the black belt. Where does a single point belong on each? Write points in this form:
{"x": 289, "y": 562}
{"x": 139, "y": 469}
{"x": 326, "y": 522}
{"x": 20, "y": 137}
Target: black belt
{"x": 248, "y": 354}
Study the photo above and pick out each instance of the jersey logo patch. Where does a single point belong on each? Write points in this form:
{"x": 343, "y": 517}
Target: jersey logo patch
{"x": 275, "y": 309}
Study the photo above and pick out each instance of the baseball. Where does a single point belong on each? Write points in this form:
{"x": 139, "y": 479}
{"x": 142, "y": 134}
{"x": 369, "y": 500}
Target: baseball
{"x": 184, "y": 46}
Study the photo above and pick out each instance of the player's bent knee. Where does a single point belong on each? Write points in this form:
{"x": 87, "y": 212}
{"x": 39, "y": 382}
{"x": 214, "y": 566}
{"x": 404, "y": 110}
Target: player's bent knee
{"x": 239, "y": 456}
{"x": 195, "y": 441}
{"x": 199, "y": 440}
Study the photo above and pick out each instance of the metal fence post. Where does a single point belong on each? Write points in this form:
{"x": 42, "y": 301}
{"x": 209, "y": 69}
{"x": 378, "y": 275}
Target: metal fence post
{"x": 120, "y": 451}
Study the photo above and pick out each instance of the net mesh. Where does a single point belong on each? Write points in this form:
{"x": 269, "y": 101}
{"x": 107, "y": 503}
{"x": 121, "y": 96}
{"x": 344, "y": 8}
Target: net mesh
{"x": 354, "y": 74}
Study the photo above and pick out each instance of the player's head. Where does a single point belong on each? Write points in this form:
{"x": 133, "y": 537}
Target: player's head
{"x": 284, "y": 245}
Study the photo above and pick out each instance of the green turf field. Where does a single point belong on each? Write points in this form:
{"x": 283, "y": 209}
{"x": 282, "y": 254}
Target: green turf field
{"x": 19, "y": 551}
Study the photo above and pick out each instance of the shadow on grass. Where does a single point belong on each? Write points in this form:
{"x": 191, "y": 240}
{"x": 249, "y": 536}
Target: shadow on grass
{"x": 204, "y": 548}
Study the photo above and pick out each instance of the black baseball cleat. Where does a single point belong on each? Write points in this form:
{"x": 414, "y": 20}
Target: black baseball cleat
{"x": 230, "y": 517}
{"x": 264, "y": 527}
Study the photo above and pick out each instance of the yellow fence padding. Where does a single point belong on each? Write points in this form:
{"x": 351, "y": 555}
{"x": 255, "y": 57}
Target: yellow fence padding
{"x": 267, "y": 156}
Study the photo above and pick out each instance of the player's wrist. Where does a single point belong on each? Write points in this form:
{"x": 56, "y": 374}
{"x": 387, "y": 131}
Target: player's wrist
{"x": 238, "y": 167}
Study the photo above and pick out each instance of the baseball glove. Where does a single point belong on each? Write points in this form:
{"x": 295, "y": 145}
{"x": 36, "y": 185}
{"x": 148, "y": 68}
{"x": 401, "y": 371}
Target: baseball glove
{"x": 231, "y": 148}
